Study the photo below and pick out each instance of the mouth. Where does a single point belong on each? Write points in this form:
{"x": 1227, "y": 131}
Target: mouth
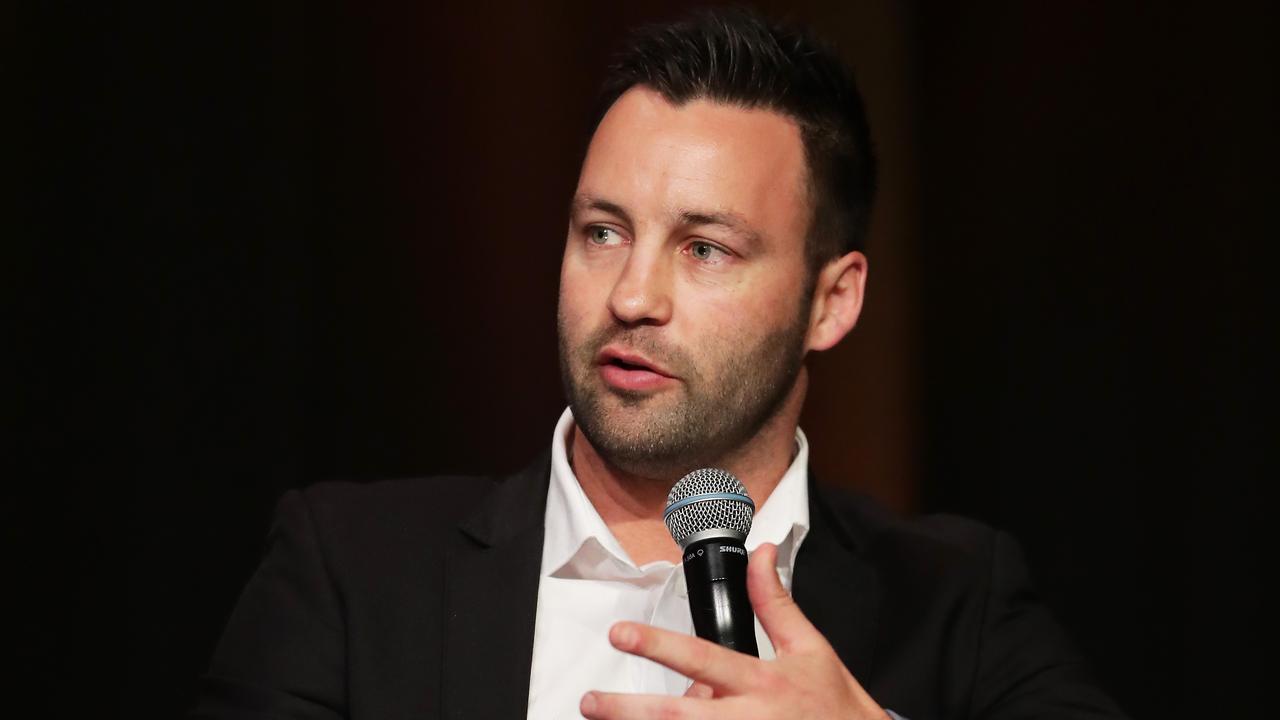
{"x": 631, "y": 372}
{"x": 630, "y": 361}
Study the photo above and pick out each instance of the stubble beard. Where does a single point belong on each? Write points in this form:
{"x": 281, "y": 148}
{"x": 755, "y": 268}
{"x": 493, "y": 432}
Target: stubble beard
{"x": 718, "y": 406}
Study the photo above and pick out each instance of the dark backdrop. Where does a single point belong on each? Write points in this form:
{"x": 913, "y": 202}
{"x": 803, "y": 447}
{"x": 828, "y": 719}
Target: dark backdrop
{"x": 256, "y": 245}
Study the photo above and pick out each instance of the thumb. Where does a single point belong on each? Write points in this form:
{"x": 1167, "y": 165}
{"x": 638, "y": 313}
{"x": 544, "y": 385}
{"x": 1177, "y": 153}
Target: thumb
{"x": 788, "y": 629}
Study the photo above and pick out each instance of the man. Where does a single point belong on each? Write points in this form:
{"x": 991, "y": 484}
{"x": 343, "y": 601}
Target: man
{"x": 714, "y": 240}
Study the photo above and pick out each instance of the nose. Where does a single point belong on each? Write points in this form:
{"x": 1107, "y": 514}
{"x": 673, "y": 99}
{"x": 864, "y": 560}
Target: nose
{"x": 642, "y": 293}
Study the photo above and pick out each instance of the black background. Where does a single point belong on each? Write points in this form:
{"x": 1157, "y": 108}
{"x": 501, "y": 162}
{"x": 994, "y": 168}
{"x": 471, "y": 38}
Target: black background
{"x": 256, "y": 245}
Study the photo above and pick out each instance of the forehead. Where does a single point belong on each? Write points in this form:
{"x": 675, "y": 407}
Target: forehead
{"x": 658, "y": 159}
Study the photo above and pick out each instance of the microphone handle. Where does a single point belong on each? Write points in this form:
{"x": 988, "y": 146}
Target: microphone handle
{"x": 715, "y": 573}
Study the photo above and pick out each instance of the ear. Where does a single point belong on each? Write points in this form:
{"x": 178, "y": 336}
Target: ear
{"x": 837, "y": 300}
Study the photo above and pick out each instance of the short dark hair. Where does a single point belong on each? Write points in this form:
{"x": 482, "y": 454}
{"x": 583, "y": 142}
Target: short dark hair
{"x": 735, "y": 56}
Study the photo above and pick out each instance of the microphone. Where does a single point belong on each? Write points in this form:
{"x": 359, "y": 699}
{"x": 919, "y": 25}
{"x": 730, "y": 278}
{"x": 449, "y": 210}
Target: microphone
{"x": 709, "y": 515}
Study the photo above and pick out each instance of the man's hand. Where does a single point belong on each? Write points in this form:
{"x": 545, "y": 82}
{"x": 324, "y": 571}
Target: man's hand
{"x": 807, "y": 680}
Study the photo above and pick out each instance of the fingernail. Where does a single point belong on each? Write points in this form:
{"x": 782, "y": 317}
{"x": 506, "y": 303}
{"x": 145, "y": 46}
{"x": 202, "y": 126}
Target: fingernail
{"x": 624, "y": 636}
{"x": 588, "y": 704}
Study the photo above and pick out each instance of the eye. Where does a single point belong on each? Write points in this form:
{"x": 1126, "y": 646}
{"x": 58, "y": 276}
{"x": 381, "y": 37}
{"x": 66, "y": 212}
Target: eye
{"x": 602, "y": 236}
{"x": 706, "y": 252}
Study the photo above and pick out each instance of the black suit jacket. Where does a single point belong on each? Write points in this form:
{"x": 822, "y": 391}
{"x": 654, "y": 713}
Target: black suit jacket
{"x": 417, "y": 599}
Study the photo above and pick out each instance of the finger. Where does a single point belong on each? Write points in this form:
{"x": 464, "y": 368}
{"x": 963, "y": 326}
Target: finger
{"x": 700, "y": 690}
{"x": 724, "y": 670}
{"x": 788, "y": 629}
{"x": 624, "y": 706}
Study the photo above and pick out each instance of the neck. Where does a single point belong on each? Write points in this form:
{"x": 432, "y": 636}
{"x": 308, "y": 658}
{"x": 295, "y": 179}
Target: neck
{"x": 631, "y": 505}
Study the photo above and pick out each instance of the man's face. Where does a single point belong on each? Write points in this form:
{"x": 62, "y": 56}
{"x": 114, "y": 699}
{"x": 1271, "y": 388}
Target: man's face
{"x": 683, "y": 312}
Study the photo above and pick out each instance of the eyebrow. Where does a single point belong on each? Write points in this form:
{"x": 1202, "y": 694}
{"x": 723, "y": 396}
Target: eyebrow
{"x": 589, "y": 202}
{"x": 729, "y": 220}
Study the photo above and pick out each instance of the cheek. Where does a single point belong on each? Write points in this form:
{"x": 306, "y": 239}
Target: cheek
{"x": 731, "y": 322}
{"x": 759, "y": 299}
{"x": 580, "y": 303}
{"x": 572, "y": 299}
{"x": 711, "y": 325}
{"x": 584, "y": 285}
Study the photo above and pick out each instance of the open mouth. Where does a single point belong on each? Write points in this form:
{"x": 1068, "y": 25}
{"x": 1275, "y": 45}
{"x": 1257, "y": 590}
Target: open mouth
{"x": 626, "y": 371}
{"x": 625, "y": 365}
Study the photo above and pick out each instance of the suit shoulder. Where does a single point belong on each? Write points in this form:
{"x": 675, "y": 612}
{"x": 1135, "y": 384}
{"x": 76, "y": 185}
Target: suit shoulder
{"x": 404, "y": 508}
{"x": 942, "y": 541}
{"x": 441, "y": 495}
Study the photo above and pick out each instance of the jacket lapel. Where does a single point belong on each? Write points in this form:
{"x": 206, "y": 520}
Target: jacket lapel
{"x": 491, "y": 594}
{"x": 835, "y": 587}
{"x": 492, "y": 599}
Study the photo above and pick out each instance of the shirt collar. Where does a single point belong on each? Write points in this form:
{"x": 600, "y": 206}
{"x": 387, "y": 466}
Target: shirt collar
{"x": 578, "y": 544}
{"x": 576, "y": 535}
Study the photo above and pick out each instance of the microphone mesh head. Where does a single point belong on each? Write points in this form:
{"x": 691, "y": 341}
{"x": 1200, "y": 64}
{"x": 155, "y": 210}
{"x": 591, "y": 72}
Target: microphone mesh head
{"x": 694, "y": 513}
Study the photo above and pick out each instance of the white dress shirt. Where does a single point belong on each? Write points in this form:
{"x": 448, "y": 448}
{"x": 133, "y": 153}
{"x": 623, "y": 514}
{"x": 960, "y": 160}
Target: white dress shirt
{"x": 588, "y": 582}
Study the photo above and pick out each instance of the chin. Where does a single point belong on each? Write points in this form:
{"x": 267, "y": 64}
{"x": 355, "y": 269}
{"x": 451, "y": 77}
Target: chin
{"x": 639, "y": 446}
